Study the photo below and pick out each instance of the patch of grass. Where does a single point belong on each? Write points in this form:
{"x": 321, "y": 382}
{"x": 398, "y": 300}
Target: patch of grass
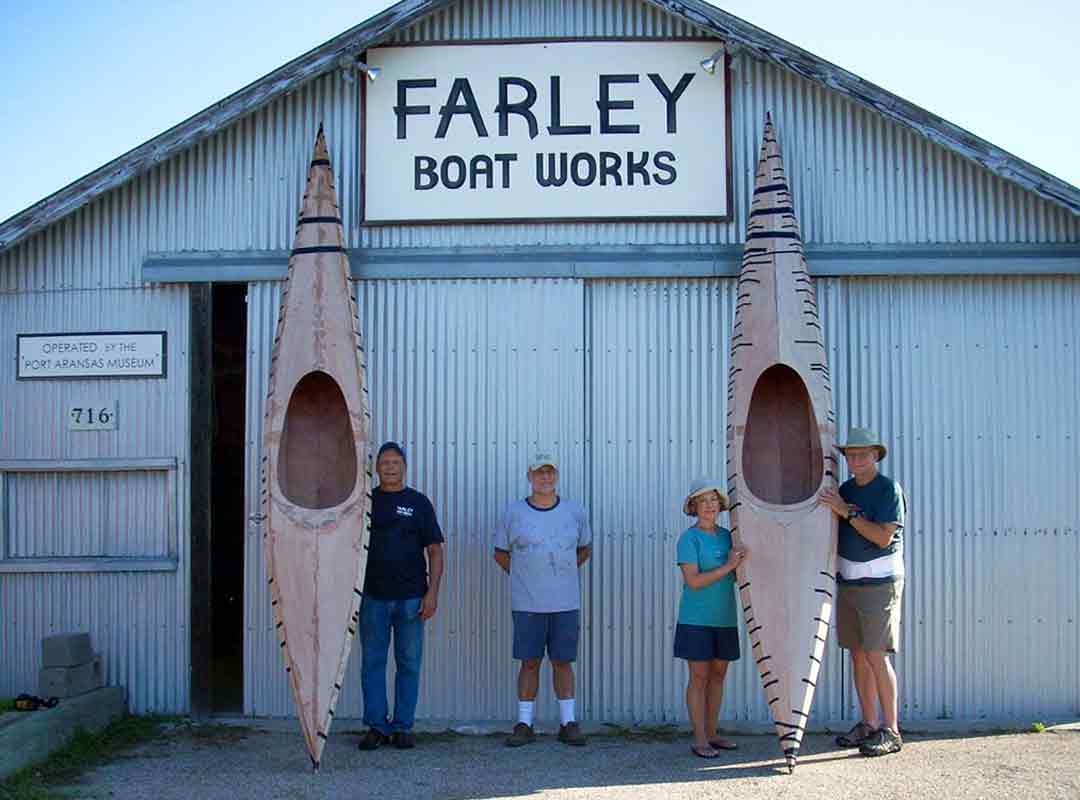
{"x": 6, "y": 704}
{"x": 84, "y": 752}
{"x": 642, "y": 733}
{"x": 1038, "y": 727}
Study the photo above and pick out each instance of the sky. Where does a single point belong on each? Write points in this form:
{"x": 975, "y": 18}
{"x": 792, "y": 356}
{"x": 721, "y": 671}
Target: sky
{"x": 86, "y": 82}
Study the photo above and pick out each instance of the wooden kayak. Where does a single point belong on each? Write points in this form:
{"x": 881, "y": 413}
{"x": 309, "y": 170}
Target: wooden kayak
{"x": 316, "y": 472}
{"x": 780, "y": 436}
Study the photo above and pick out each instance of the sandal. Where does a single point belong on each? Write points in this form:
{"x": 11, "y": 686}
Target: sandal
{"x": 704, "y": 752}
{"x": 720, "y": 743}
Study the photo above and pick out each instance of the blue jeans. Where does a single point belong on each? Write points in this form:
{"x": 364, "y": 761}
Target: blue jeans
{"x": 377, "y": 619}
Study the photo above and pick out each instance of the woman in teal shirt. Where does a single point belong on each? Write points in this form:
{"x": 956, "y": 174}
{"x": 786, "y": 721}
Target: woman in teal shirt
{"x": 707, "y": 635}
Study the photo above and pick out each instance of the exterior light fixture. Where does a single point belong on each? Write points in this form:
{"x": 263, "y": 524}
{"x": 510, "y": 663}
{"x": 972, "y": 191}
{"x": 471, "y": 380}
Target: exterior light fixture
{"x": 709, "y": 64}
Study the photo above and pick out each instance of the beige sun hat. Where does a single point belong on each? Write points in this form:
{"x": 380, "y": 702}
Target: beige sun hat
{"x": 543, "y": 459}
{"x": 863, "y": 437}
{"x": 700, "y": 487}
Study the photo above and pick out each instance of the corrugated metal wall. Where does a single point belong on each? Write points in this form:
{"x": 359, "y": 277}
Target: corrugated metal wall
{"x": 628, "y": 379}
{"x": 855, "y": 179}
{"x": 138, "y": 620}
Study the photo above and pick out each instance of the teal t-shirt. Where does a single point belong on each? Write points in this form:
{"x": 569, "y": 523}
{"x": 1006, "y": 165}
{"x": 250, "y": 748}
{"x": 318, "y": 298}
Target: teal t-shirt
{"x": 713, "y": 605}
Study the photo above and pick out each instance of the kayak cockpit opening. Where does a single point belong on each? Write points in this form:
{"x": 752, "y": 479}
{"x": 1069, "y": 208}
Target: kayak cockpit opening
{"x": 782, "y": 461}
{"x": 317, "y": 456}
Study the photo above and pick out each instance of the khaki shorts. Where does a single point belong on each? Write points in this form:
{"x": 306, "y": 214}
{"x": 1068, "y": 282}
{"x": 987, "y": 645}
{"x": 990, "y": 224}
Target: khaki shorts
{"x": 868, "y": 617}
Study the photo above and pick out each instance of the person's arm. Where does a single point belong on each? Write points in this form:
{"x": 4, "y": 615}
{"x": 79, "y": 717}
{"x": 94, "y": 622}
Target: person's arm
{"x": 583, "y": 554}
{"x": 879, "y": 534}
{"x": 696, "y": 579}
{"x": 502, "y": 558}
{"x": 435, "y": 572}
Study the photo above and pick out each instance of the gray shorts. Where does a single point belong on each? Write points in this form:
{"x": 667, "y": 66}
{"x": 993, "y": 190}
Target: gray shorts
{"x": 556, "y": 631}
{"x": 868, "y": 616}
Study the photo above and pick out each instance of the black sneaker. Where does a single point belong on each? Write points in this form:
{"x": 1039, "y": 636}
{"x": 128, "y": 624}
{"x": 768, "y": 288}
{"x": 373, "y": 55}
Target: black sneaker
{"x": 404, "y": 740}
{"x": 570, "y": 733}
{"x": 859, "y": 734}
{"x": 882, "y": 743}
{"x": 373, "y": 740}
{"x": 523, "y": 734}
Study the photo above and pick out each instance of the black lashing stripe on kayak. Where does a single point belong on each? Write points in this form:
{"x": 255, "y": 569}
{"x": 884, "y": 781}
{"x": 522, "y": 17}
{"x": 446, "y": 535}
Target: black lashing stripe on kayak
{"x": 763, "y": 658}
{"x": 357, "y": 592}
{"x": 789, "y": 725}
{"x": 320, "y": 162}
{"x": 316, "y": 220}
{"x": 774, "y": 235}
{"x": 774, "y": 700}
{"x": 282, "y": 643}
{"x": 816, "y": 660}
{"x": 322, "y": 248}
{"x": 772, "y": 187}
{"x": 770, "y": 683}
{"x": 824, "y": 591}
{"x": 752, "y": 632}
{"x": 809, "y": 683}
{"x": 774, "y": 210}
{"x": 800, "y": 713}
{"x": 337, "y": 686}
{"x": 279, "y": 624}
{"x": 751, "y": 620}
{"x": 744, "y": 586}
{"x": 790, "y": 737}
{"x": 823, "y": 572}
{"x": 819, "y": 619}
{"x": 766, "y": 674}
{"x": 321, "y": 735}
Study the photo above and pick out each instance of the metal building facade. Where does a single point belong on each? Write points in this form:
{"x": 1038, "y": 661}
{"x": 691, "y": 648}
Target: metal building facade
{"x": 971, "y": 379}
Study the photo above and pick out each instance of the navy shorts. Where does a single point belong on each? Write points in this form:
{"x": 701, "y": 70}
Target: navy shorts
{"x": 706, "y": 643}
{"x": 556, "y": 631}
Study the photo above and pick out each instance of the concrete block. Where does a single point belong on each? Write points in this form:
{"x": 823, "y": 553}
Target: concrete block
{"x": 71, "y": 681}
{"x": 35, "y": 734}
{"x": 66, "y": 650}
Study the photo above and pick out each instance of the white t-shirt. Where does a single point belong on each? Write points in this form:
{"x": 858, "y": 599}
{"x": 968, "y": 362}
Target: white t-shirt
{"x": 543, "y": 547}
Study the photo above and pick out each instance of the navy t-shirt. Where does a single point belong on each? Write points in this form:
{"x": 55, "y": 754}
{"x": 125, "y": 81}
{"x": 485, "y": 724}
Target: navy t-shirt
{"x": 402, "y": 525}
{"x": 881, "y": 500}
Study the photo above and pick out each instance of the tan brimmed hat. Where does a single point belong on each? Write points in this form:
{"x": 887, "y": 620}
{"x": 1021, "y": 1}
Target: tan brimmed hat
{"x": 700, "y": 487}
{"x": 863, "y": 437}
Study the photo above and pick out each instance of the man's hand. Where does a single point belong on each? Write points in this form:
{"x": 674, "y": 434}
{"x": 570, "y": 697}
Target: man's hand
{"x": 838, "y": 504}
{"x": 429, "y": 605}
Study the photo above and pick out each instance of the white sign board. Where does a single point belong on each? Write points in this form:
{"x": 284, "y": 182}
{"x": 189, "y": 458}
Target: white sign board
{"x": 91, "y": 416}
{"x": 556, "y": 130}
{"x": 139, "y": 354}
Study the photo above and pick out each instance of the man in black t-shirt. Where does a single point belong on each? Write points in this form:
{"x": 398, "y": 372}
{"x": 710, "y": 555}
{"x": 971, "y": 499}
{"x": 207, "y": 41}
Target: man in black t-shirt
{"x": 401, "y": 590}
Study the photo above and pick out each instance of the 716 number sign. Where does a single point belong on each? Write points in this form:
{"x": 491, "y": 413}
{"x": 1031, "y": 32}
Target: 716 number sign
{"x": 92, "y": 417}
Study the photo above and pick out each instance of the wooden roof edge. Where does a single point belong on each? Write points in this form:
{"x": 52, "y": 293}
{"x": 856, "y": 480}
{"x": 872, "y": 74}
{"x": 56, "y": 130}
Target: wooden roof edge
{"x": 328, "y": 56}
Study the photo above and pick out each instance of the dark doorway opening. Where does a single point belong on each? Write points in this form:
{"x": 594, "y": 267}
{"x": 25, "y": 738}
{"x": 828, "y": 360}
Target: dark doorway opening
{"x": 228, "y": 523}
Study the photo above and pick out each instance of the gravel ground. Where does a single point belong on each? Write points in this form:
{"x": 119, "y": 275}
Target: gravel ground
{"x": 234, "y": 762}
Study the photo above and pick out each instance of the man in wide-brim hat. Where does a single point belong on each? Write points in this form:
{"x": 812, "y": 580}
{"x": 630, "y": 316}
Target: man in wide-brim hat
{"x": 870, "y": 581}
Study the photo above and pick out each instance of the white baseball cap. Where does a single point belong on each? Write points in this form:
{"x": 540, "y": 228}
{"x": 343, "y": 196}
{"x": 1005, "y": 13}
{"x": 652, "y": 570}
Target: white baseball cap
{"x": 542, "y": 459}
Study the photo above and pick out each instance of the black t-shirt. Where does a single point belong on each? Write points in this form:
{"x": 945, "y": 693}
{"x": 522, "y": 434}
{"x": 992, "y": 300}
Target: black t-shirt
{"x": 402, "y": 525}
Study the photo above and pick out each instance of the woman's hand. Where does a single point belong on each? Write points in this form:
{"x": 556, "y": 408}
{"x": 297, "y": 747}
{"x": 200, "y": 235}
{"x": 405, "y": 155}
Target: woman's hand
{"x": 736, "y": 557}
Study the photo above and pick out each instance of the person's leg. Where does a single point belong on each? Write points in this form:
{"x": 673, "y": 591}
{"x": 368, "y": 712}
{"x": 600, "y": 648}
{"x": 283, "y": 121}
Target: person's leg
{"x": 880, "y": 667}
{"x": 375, "y": 644}
{"x": 714, "y": 698}
{"x": 696, "y": 703}
{"x": 562, "y": 679}
{"x": 865, "y": 687}
{"x": 408, "y": 654}
{"x": 528, "y": 682}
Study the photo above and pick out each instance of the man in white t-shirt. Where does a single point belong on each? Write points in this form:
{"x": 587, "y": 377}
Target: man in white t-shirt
{"x": 542, "y": 541}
